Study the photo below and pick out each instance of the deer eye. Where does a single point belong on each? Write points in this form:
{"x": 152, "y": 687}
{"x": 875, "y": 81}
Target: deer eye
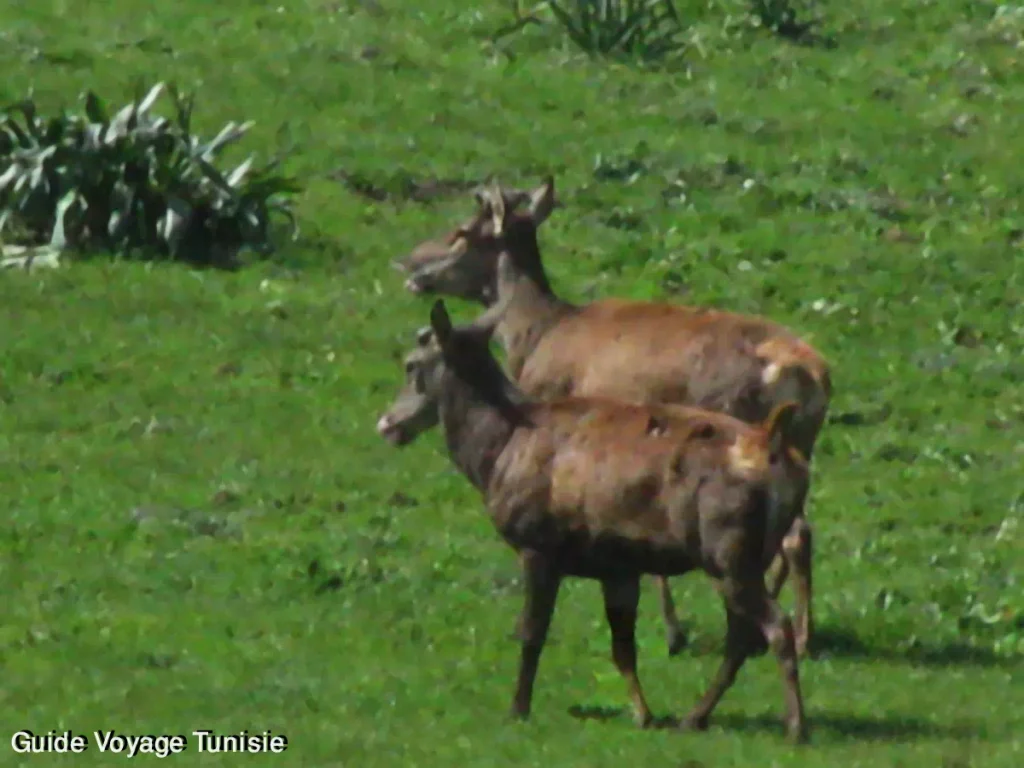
{"x": 410, "y": 367}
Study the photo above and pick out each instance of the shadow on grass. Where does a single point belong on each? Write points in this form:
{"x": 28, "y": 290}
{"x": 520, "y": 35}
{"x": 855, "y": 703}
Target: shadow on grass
{"x": 824, "y": 726}
{"x": 834, "y": 726}
{"x": 841, "y": 643}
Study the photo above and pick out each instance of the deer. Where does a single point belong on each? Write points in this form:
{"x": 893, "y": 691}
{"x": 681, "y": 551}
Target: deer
{"x": 608, "y": 490}
{"x": 643, "y": 351}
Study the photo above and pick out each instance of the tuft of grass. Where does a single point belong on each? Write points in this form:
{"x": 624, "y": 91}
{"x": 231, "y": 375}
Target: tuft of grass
{"x": 643, "y": 30}
{"x": 783, "y": 17}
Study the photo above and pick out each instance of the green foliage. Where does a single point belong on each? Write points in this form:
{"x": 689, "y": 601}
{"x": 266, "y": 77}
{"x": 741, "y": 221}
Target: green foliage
{"x": 651, "y": 31}
{"x": 780, "y": 16}
{"x": 647, "y": 30}
{"x": 133, "y": 183}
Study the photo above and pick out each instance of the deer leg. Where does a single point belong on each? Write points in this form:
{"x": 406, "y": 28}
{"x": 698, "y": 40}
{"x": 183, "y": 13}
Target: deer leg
{"x": 737, "y": 639}
{"x": 754, "y": 617}
{"x": 778, "y": 630}
{"x": 675, "y": 633}
{"x": 781, "y": 567}
{"x": 797, "y": 549}
{"x": 542, "y": 582}
{"x": 620, "y": 606}
{"x": 517, "y": 633}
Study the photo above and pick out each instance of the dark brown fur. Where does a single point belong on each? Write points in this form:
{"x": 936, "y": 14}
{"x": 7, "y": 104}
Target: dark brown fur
{"x": 644, "y": 352}
{"x": 607, "y": 490}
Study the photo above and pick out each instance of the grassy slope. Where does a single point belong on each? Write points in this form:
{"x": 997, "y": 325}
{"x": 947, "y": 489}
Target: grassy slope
{"x": 177, "y": 453}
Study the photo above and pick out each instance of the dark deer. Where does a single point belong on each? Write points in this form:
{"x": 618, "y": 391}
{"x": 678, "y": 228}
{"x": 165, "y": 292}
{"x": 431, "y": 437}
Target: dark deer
{"x": 607, "y": 490}
{"x": 639, "y": 351}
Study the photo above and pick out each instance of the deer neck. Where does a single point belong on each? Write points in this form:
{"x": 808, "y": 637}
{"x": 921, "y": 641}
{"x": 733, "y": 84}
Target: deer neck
{"x": 477, "y": 428}
{"x": 532, "y": 311}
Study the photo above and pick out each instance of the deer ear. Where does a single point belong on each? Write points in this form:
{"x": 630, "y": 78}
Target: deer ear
{"x": 440, "y": 322}
{"x": 497, "y": 201}
{"x": 482, "y": 191}
{"x": 542, "y": 201}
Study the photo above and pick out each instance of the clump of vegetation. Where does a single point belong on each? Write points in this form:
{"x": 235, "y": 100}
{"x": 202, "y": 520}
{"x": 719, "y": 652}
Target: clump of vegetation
{"x": 656, "y": 30}
{"x": 782, "y": 17}
{"x": 133, "y": 184}
{"x": 642, "y": 29}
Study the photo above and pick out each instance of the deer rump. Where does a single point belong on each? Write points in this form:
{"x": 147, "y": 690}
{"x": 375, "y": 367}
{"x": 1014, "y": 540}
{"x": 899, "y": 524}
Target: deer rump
{"x": 677, "y": 355}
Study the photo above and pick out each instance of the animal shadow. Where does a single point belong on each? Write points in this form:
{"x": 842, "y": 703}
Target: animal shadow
{"x": 841, "y": 643}
{"x": 826, "y": 727}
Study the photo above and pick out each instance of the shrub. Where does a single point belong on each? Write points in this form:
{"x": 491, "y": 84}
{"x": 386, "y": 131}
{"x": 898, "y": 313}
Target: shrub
{"x": 642, "y": 29}
{"x": 133, "y": 184}
{"x": 782, "y": 17}
{"x": 654, "y": 30}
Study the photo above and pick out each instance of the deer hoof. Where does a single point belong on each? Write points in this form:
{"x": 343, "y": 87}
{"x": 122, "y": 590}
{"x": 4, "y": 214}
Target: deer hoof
{"x": 643, "y": 719}
{"x": 693, "y": 722}
{"x": 796, "y": 733}
{"x": 518, "y": 715}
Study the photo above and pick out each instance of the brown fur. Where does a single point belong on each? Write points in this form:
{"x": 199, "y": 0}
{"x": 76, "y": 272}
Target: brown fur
{"x": 645, "y": 352}
{"x": 608, "y": 490}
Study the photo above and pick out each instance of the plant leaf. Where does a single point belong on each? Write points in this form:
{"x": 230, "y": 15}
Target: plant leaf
{"x": 236, "y": 176}
{"x": 229, "y": 134}
{"x": 9, "y": 175}
{"x": 27, "y": 258}
{"x": 94, "y": 108}
{"x": 183, "y": 107}
{"x": 28, "y": 110}
{"x": 150, "y": 98}
{"x": 15, "y": 131}
{"x": 59, "y": 237}
{"x": 175, "y": 223}
{"x": 121, "y": 205}
{"x": 215, "y": 176}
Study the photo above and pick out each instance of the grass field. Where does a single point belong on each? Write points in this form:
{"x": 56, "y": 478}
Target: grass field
{"x": 203, "y": 530}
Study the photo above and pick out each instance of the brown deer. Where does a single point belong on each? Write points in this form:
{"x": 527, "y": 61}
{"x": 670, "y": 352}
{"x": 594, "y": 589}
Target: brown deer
{"x": 608, "y": 490}
{"x": 644, "y": 352}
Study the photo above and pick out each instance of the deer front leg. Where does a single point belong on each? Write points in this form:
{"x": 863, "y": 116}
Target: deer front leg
{"x": 621, "y": 597}
{"x": 517, "y": 633}
{"x": 753, "y": 617}
{"x": 542, "y": 581}
{"x": 738, "y": 646}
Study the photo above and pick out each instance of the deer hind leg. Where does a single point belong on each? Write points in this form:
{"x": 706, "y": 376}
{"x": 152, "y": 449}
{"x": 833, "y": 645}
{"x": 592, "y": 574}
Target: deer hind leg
{"x": 542, "y": 581}
{"x": 781, "y": 567}
{"x": 778, "y": 630}
{"x": 753, "y": 617}
{"x": 739, "y": 643}
{"x": 621, "y": 597}
{"x": 797, "y": 553}
{"x": 675, "y": 633}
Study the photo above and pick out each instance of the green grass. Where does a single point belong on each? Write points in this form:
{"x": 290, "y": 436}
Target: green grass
{"x": 204, "y": 531}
